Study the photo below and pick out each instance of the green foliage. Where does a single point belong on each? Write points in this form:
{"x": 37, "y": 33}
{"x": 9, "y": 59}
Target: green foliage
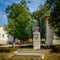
{"x": 20, "y": 22}
{"x": 27, "y": 46}
{"x": 6, "y": 49}
{"x": 40, "y": 16}
{"x": 5, "y": 27}
{"x": 56, "y": 49}
{"x": 55, "y": 15}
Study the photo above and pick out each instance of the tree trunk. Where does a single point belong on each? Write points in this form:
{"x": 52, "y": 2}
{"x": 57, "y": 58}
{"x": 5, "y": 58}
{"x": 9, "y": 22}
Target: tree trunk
{"x": 13, "y": 42}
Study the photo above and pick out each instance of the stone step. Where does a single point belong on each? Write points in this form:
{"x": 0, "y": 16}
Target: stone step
{"x": 32, "y": 51}
{"x": 41, "y": 55}
{"x": 29, "y": 51}
{"x": 34, "y": 54}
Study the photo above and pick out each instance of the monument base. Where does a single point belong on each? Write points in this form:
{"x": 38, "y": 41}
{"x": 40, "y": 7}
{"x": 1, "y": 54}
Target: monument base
{"x": 36, "y": 40}
{"x": 36, "y": 45}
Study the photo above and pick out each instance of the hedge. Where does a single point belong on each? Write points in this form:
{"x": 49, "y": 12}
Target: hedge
{"x": 56, "y": 49}
{"x": 6, "y": 49}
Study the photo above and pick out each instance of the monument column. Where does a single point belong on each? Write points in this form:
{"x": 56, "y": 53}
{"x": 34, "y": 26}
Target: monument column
{"x": 49, "y": 33}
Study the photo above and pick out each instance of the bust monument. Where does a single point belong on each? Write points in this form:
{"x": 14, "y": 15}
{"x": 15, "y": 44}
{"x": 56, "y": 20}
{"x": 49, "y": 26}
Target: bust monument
{"x": 36, "y": 37}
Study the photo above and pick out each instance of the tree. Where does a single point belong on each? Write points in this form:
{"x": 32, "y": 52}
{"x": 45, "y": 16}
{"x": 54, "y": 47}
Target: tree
{"x": 41, "y": 22}
{"x": 20, "y": 22}
{"x": 40, "y": 15}
{"x": 55, "y": 15}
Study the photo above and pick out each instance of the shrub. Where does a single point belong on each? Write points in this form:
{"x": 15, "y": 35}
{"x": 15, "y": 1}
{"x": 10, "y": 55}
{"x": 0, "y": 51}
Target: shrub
{"x": 28, "y": 46}
{"x": 6, "y": 49}
{"x": 56, "y": 49}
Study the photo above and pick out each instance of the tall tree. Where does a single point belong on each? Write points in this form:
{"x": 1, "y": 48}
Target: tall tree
{"x": 55, "y": 15}
{"x": 41, "y": 22}
{"x": 20, "y": 21}
{"x": 40, "y": 15}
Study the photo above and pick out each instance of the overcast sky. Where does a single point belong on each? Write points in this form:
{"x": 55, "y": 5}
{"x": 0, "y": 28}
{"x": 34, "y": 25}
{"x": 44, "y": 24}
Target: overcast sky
{"x": 4, "y": 3}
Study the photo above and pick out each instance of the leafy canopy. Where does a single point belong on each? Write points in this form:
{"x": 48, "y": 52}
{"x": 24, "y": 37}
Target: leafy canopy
{"x": 55, "y": 15}
{"x": 40, "y": 15}
{"x": 20, "y": 22}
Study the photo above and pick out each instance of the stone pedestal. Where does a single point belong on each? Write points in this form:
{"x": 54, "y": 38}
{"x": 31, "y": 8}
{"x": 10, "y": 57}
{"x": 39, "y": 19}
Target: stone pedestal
{"x": 36, "y": 40}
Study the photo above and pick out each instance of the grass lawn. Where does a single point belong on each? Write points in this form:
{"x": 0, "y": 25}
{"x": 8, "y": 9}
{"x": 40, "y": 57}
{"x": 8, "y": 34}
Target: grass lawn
{"x": 52, "y": 56}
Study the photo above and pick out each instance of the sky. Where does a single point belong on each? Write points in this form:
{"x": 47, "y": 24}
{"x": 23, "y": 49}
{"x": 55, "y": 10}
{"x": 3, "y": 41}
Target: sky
{"x": 33, "y": 5}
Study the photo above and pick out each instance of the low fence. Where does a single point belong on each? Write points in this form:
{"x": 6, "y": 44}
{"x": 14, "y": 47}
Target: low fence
{"x": 31, "y": 45}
